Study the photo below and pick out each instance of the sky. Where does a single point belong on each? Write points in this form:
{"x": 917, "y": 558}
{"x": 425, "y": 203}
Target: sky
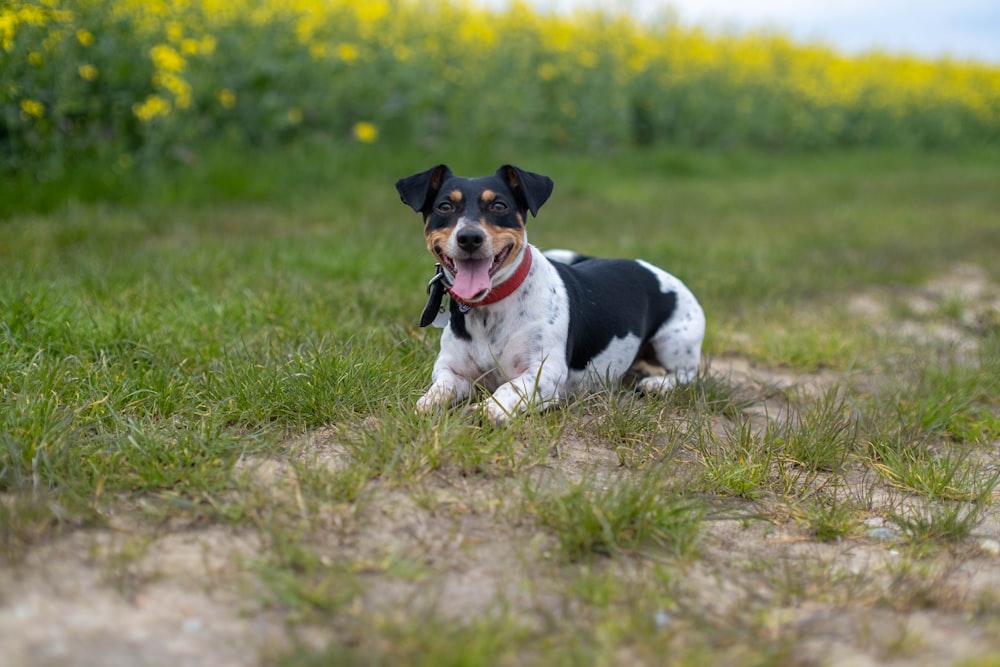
{"x": 963, "y": 29}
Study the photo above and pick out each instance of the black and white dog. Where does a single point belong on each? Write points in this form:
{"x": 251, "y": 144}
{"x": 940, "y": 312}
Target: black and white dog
{"x": 533, "y": 327}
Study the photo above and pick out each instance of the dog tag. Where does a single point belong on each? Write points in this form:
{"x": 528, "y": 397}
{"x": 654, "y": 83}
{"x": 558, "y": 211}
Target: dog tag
{"x": 442, "y": 319}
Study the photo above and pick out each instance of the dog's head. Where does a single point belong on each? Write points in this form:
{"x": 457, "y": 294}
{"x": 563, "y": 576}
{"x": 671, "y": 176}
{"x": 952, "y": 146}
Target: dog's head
{"x": 475, "y": 226}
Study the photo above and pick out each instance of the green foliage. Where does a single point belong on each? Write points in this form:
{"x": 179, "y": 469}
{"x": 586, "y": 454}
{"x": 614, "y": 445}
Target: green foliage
{"x": 127, "y": 84}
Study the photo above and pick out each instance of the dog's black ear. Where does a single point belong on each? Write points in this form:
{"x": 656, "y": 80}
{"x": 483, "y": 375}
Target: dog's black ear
{"x": 418, "y": 191}
{"x": 532, "y": 190}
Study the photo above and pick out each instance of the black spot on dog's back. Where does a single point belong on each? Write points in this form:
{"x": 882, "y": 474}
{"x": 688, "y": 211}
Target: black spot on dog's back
{"x": 610, "y": 299}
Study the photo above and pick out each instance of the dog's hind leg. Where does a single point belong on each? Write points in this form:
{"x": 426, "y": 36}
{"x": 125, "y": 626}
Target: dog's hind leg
{"x": 676, "y": 347}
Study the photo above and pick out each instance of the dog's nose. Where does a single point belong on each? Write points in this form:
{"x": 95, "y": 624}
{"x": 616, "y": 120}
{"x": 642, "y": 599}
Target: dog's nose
{"x": 469, "y": 240}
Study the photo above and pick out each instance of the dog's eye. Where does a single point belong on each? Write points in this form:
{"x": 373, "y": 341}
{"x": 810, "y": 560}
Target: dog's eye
{"x": 445, "y": 207}
{"x": 498, "y": 207}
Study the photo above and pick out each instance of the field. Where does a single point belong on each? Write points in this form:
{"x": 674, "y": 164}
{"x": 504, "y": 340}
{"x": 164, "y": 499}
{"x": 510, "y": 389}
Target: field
{"x": 209, "y": 355}
{"x": 132, "y": 83}
{"x": 209, "y": 452}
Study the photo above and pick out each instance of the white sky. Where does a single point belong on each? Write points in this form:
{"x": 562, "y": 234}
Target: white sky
{"x": 964, "y": 29}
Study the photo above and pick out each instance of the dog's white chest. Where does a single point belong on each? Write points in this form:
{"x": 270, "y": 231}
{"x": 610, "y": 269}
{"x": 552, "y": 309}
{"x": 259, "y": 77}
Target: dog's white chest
{"x": 528, "y": 330}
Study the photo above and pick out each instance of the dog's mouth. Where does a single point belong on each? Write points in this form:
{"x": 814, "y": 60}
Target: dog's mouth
{"x": 473, "y": 277}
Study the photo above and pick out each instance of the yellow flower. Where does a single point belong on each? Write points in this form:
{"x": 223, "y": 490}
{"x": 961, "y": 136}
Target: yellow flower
{"x": 365, "y": 132}
{"x": 8, "y": 25}
{"x": 166, "y": 58}
{"x": 207, "y": 45}
{"x": 226, "y": 97}
{"x": 317, "y": 50}
{"x": 180, "y": 88}
{"x": 347, "y": 52}
{"x": 87, "y": 72}
{"x": 305, "y": 28}
{"x": 478, "y": 33}
{"x": 85, "y": 37}
{"x": 10, "y": 18}
{"x": 153, "y": 107}
{"x": 33, "y": 108}
{"x": 371, "y": 11}
{"x": 175, "y": 31}
{"x": 35, "y": 59}
{"x": 295, "y": 116}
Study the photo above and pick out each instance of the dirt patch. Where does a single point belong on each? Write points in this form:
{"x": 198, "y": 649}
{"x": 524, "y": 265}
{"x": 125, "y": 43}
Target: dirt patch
{"x": 128, "y": 597}
{"x": 952, "y": 310}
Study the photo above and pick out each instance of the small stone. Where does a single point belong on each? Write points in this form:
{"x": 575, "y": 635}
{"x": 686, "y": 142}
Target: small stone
{"x": 990, "y": 547}
{"x": 881, "y": 533}
{"x": 192, "y": 625}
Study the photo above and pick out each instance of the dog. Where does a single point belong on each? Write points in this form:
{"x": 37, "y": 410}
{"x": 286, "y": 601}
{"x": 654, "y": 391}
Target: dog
{"x": 535, "y": 328}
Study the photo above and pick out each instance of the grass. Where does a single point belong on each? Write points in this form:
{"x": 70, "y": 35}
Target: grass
{"x": 830, "y": 517}
{"x": 823, "y": 434}
{"x": 951, "y": 475}
{"x": 405, "y": 446}
{"x": 626, "y": 516}
{"x": 738, "y": 461}
{"x": 204, "y": 355}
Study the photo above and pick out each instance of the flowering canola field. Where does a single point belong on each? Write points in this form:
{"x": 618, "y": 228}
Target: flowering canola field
{"x": 135, "y": 80}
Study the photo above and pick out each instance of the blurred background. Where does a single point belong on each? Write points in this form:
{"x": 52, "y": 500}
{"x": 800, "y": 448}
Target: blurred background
{"x": 131, "y": 85}
{"x": 961, "y": 29}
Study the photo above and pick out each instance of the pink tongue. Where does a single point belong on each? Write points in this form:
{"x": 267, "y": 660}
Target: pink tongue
{"x": 472, "y": 276}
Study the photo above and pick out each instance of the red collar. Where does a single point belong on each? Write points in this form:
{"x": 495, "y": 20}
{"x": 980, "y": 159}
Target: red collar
{"x": 504, "y": 289}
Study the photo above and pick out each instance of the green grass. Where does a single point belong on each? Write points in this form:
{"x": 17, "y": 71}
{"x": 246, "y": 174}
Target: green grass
{"x": 156, "y": 348}
{"x": 594, "y": 517}
{"x": 824, "y": 434}
{"x": 738, "y": 461}
{"x": 830, "y": 517}
{"x": 401, "y": 445}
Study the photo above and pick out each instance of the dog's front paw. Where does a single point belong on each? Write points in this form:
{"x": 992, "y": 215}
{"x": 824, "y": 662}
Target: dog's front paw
{"x": 493, "y": 411}
{"x": 433, "y": 400}
{"x": 440, "y": 395}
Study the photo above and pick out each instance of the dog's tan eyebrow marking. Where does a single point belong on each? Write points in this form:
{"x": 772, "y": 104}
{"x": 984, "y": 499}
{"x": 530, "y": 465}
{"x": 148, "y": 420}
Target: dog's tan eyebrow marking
{"x": 488, "y": 196}
{"x": 455, "y": 196}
